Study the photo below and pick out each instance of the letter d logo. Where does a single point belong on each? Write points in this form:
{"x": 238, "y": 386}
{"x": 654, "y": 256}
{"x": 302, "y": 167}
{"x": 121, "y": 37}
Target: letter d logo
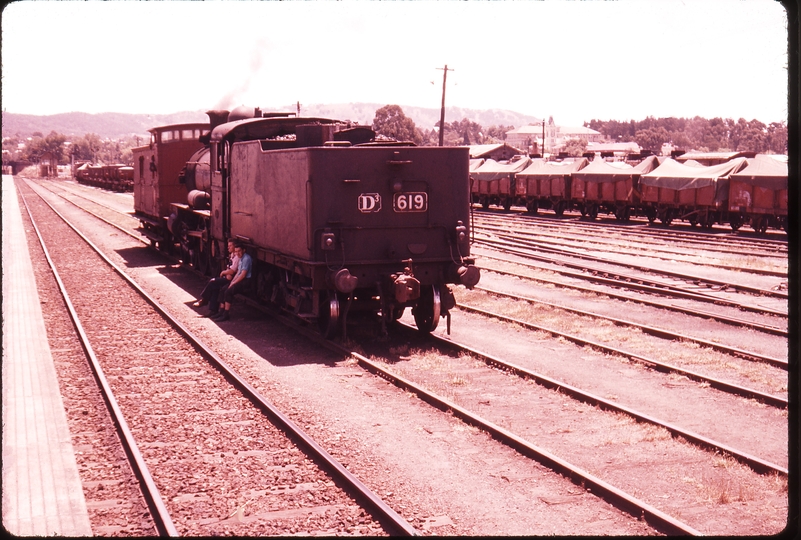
{"x": 369, "y": 202}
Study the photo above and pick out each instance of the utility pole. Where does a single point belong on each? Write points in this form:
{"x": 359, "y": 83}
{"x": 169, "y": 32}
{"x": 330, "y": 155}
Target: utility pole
{"x": 542, "y": 150}
{"x": 442, "y": 112}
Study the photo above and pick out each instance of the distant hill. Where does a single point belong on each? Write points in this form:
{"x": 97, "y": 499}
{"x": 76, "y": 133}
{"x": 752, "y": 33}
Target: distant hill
{"x": 106, "y": 125}
{"x": 120, "y": 125}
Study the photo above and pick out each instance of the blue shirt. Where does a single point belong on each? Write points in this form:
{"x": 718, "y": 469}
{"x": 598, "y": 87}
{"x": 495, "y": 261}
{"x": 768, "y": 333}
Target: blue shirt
{"x": 245, "y": 265}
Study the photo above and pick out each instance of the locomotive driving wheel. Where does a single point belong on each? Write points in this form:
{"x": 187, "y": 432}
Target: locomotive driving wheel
{"x": 427, "y": 311}
{"x": 328, "y": 320}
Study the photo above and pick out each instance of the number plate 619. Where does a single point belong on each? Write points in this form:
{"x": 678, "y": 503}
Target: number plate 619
{"x": 415, "y": 201}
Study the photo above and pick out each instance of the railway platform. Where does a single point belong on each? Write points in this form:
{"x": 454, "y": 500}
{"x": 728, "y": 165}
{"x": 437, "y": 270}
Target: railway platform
{"x": 42, "y": 491}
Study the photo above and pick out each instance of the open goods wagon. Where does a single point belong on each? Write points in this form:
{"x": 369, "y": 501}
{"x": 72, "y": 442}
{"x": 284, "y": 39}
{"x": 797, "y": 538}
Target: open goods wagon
{"x": 758, "y": 195}
{"x": 694, "y": 193}
{"x": 493, "y": 182}
{"x": 547, "y": 184}
{"x": 609, "y": 187}
{"x": 112, "y": 177}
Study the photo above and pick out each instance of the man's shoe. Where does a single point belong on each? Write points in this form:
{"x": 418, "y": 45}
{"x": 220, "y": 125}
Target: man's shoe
{"x": 223, "y": 317}
{"x": 212, "y": 314}
{"x": 200, "y": 303}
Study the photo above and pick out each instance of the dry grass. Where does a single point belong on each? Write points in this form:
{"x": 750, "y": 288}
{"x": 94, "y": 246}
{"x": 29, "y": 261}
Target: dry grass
{"x": 436, "y": 372}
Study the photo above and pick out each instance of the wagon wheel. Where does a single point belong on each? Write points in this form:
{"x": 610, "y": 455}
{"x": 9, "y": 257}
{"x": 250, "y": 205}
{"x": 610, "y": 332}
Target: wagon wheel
{"x": 561, "y": 206}
{"x": 484, "y": 203}
{"x": 531, "y": 206}
{"x": 427, "y": 311}
{"x": 507, "y": 204}
{"x": 593, "y": 211}
{"x": 328, "y": 321}
{"x": 736, "y": 222}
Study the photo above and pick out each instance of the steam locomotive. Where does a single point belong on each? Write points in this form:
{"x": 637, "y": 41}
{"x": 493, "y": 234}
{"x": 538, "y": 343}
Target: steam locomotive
{"x": 341, "y": 226}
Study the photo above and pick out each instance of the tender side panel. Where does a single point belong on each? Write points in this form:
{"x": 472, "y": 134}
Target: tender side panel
{"x": 269, "y": 198}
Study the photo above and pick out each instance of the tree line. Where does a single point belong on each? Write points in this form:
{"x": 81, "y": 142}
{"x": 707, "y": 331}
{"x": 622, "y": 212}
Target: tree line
{"x": 391, "y": 122}
{"x": 89, "y": 147}
{"x": 700, "y": 134}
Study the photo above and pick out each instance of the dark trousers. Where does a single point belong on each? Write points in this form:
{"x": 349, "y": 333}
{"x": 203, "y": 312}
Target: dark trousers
{"x": 211, "y": 292}
{"x": 229, "y": 291}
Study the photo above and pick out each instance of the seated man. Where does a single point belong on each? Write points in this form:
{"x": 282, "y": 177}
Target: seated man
{"x": 211, "y": 291}
{"x": 240, "y": 282}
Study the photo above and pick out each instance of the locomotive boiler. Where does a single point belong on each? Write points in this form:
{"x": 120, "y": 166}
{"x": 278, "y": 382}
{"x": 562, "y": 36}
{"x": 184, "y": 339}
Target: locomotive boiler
{"x": 340, "y": 226}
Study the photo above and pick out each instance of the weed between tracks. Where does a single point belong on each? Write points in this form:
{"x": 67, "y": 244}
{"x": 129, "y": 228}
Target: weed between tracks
{"x": 630, "y": 338}
{"x": 438, "y": 373}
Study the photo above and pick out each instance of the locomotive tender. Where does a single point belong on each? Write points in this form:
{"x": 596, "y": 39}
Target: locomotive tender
{"x": 337, "y": 222}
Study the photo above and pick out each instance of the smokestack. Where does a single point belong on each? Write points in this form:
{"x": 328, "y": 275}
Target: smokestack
{"x": 217, "y": 117}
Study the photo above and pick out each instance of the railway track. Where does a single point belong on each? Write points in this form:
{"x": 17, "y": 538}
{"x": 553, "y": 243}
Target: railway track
{"x": 620, "y": 498}
{"x": 759, "y": 465}
{"x": 734, "y": 321}
{"x": 648, "y": 329}
{"x": 614, "y": 245}
{"x": 164, "y": 411}
{"x": 718, "y": 240}
{"x": 678, "y": 285}
{"x": 738, "y": 390}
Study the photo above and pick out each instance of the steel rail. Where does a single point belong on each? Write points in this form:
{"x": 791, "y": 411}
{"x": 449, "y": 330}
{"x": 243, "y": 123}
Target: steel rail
{"x": 390, "y": 519}
{"x": 652, "y": 330}
{"x": 155, "y": 502}
{"x": 653, "y": 251}
{"x": 631, "y": 282}
{"x": 676, "y": 275}
{"x": 672, "y": 307}
{"x": 768, "y": 399}
{"x": 757, "y": 464}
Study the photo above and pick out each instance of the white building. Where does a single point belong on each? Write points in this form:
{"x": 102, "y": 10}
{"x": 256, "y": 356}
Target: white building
{"x": 530, "y": 137}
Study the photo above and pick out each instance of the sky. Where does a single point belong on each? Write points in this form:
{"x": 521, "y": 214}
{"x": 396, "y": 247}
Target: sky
{"x": 575, "y": 61}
